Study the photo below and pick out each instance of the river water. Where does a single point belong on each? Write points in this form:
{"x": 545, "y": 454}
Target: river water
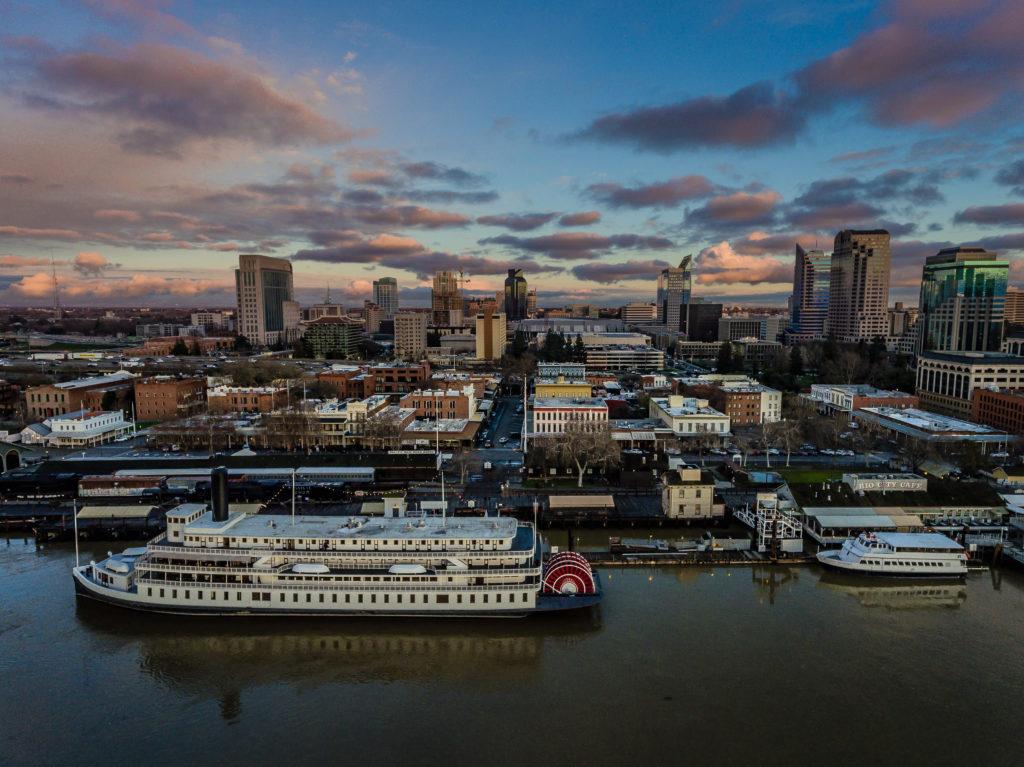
{"x": 687, "y": 666}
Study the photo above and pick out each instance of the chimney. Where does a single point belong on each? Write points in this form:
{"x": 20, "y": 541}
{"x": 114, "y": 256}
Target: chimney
{"x": 219, "y": 491}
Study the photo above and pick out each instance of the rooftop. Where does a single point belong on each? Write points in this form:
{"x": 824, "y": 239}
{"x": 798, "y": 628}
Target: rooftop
{"x": 929, "y": 422}
{"x": 974, "y": 358}
{"x": 81, "y": 383}
{"x": 940, "y": 493}
{"x": 282, "y": 526}
{"x": 573, "y": 402}
{"x": 446, "y": 425}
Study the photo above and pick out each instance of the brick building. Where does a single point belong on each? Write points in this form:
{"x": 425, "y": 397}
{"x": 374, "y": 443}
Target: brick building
{"x": 449, "y": 403}
{"x": 1001, "y": 408}
{"x": 399, "y": 378}
{"x": 96, "y": 393}
{"x": 246, "y": 399}
{"x": 164, "y": 398}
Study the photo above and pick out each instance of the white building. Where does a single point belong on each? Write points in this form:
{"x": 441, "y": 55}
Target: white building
{"x": 491, "y": 335}
{"x": 551, "y": 414}
{"x": 946, "y": 380}
{"x": 638, "y": 313}
{"x": 411, "y": 335}
{"x": 86, "y": 428}
{"x": 689, "y": 416}
{"x": 632, "y": 358}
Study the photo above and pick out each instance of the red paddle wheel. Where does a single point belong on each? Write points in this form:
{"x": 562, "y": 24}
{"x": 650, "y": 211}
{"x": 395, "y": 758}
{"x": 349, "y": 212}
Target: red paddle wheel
{"x": 568, "y": 573}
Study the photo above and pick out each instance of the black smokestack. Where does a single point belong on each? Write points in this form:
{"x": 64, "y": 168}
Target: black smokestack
{"x": 219, "y": 490}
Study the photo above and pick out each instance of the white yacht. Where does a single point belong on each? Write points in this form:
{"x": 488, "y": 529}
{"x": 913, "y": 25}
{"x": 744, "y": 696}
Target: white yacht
{"x": 216, "y": 561}
{"x": 913, "y": 555}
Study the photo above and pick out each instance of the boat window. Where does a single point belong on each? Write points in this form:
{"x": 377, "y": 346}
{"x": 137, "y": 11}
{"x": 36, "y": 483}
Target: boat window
{"x": 442, "y": 599}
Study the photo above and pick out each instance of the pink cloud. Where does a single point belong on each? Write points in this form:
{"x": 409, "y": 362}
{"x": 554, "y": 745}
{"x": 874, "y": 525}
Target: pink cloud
{"x": 721, "y": 265}
{"x": 39, "y": 233}
{"x": 113, "y": 214}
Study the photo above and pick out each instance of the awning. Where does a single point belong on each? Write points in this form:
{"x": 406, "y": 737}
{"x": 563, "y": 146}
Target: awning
{"x": 115, "y": 512}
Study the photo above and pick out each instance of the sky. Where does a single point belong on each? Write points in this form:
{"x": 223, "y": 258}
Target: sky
{"x": 145, "y": 143}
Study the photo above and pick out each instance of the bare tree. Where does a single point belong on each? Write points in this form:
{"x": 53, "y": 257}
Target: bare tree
{"x": 583, "y": 444}
{"x": 463, "y": 459}
{"x": 786, "y": 435}
{"x": 383, "y": 430}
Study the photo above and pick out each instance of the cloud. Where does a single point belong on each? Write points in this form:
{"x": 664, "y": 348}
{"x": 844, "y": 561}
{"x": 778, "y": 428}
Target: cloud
{"x": 759, "y": 243}
{"x": 608, "y": 273}
{"x": 406, "y": 253}
{"x": 92, "y": 264}
{"x": 449, "y": 196}
{"x": 144, "y": 13}
{"x": 114, "y": 214}
{"x": 664, "y": 194}
{"x": 850, "y": 200}
{"x": 755, "y": 116}
{"x": 25, "y": 232}
{"x": 998, "y": 215}
{"x": 518, "y": 222}
{"x": 434, "y": 171}
{"x": 1012, "y": 175}
{"x": 578, "y": 245}
{"x": 746, "y": 208}
{"x": 10, "y": 261}
{"x": 720, "y": 264}
{"x": 863, "y": 155}
{"x": 583, "y": 218}
{"x": 932, "y": 64}
{"x": 1003, "y": 242}
{"x": 408, "y": 215}
{"x": 167, "y": 97}
{"x": 16, "y": 178}
{"x": 373, "y": 177}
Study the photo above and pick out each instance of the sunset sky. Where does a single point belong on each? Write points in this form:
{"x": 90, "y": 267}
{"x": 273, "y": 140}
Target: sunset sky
{"x": 144, "y": 144}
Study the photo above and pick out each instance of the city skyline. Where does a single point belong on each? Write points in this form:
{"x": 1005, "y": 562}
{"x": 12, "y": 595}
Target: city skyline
{"x": 147, "y": 144}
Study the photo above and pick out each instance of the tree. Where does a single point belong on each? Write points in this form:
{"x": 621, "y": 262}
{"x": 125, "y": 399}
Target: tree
{"x": 463, "y": 460}
{"x": 579, "y": 350}
{"x": 384, "y": 429}
{"x": 109, "y": 400}
{"x": 796, "y": 362}
{"x": 179, "y": 349}
{"x": 243, "y": 345}
{"x": 583, "y": 444}
{"x": 195, "y": 350}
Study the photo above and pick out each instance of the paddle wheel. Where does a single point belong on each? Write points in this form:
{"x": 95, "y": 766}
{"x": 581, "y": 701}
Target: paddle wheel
{"x": 568, "y": 573}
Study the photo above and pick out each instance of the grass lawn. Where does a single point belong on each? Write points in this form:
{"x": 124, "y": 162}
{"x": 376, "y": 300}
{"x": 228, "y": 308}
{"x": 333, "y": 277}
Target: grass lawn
{"x": 807, "y": 476}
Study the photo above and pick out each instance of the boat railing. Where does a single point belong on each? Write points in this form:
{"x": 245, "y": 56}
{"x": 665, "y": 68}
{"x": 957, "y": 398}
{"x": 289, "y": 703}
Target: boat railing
{"x": 351, "y": 586}
{"x": 259, "y": 551}
{"x": 282, "y": 569}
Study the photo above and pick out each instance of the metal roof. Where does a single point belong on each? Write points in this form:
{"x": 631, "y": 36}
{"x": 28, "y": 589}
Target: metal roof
{"x": 114, "y": 512}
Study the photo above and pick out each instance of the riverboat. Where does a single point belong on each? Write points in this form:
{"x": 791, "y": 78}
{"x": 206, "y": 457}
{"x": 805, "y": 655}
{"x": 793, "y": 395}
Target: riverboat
{"x": 212, "y": 560}
{"x": 906, "y": 555}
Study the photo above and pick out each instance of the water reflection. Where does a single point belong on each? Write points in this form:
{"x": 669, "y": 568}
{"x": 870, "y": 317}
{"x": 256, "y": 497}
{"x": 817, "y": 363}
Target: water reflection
{"x": 224, "y": 657}
{"x": 896, "y": 594}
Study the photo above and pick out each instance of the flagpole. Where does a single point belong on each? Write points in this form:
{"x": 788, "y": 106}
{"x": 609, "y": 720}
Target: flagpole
{"x": 74, "y": 516}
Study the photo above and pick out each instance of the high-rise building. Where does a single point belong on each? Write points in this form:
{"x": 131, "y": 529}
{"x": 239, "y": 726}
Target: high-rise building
{"x": 1013, "y": 311}
{"x": 491, "y": 336}
{"x": 859, "y": 285}
{"x": 702, "y": 321}
{"x": 812, "y": 276}
{"x": 638, "y": 313}
{"x": 385, "y": 295}
{"x": 901, "y": 336}
{"x": 411, "y": 335}
{"x": 963, "y": 291}
{"x": 267, "y": 311}
{"x": 531, "y": 303}
{"x": 515, "y": 295}
{"x": 674, "y": 284}
{"x": 446, "y": 299}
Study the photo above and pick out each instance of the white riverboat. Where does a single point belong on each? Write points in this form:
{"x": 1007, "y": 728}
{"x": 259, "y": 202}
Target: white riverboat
{"x": 904, "y": 555}
{"x": 216, "y": 561}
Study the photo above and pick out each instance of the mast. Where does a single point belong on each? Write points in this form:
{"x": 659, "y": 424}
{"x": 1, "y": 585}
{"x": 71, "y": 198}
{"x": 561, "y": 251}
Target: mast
{"x": 293, "y": 497}
{"x": 74, "y": 516}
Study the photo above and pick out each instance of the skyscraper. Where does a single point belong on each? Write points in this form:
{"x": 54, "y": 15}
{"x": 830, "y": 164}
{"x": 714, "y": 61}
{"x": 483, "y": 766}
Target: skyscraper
{"x": 515, "y": 295}
{"x": 812, "y": 276}
{"x": 531, "y": 303}
{"x": 267, "y": 311}
{"x": 963, "y": 292}
{"x": 858, "y": 292}
{"x": 490, "y": 335}
{"x": 446, "y": 299}
{"x": 385, "y": 295}
{"x": 674, "y": 285}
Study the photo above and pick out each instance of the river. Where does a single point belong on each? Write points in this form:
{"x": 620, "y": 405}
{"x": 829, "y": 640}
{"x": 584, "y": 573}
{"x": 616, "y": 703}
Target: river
{"x": 688, "y": 666}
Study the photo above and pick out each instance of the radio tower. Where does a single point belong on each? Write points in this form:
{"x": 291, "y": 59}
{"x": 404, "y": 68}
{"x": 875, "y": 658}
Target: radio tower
{"x": 57, "y": 313}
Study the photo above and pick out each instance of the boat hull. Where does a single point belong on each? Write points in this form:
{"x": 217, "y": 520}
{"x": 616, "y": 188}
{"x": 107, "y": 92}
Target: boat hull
{"x": 830, "y": 559}
{"x": 546, "y": 603}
